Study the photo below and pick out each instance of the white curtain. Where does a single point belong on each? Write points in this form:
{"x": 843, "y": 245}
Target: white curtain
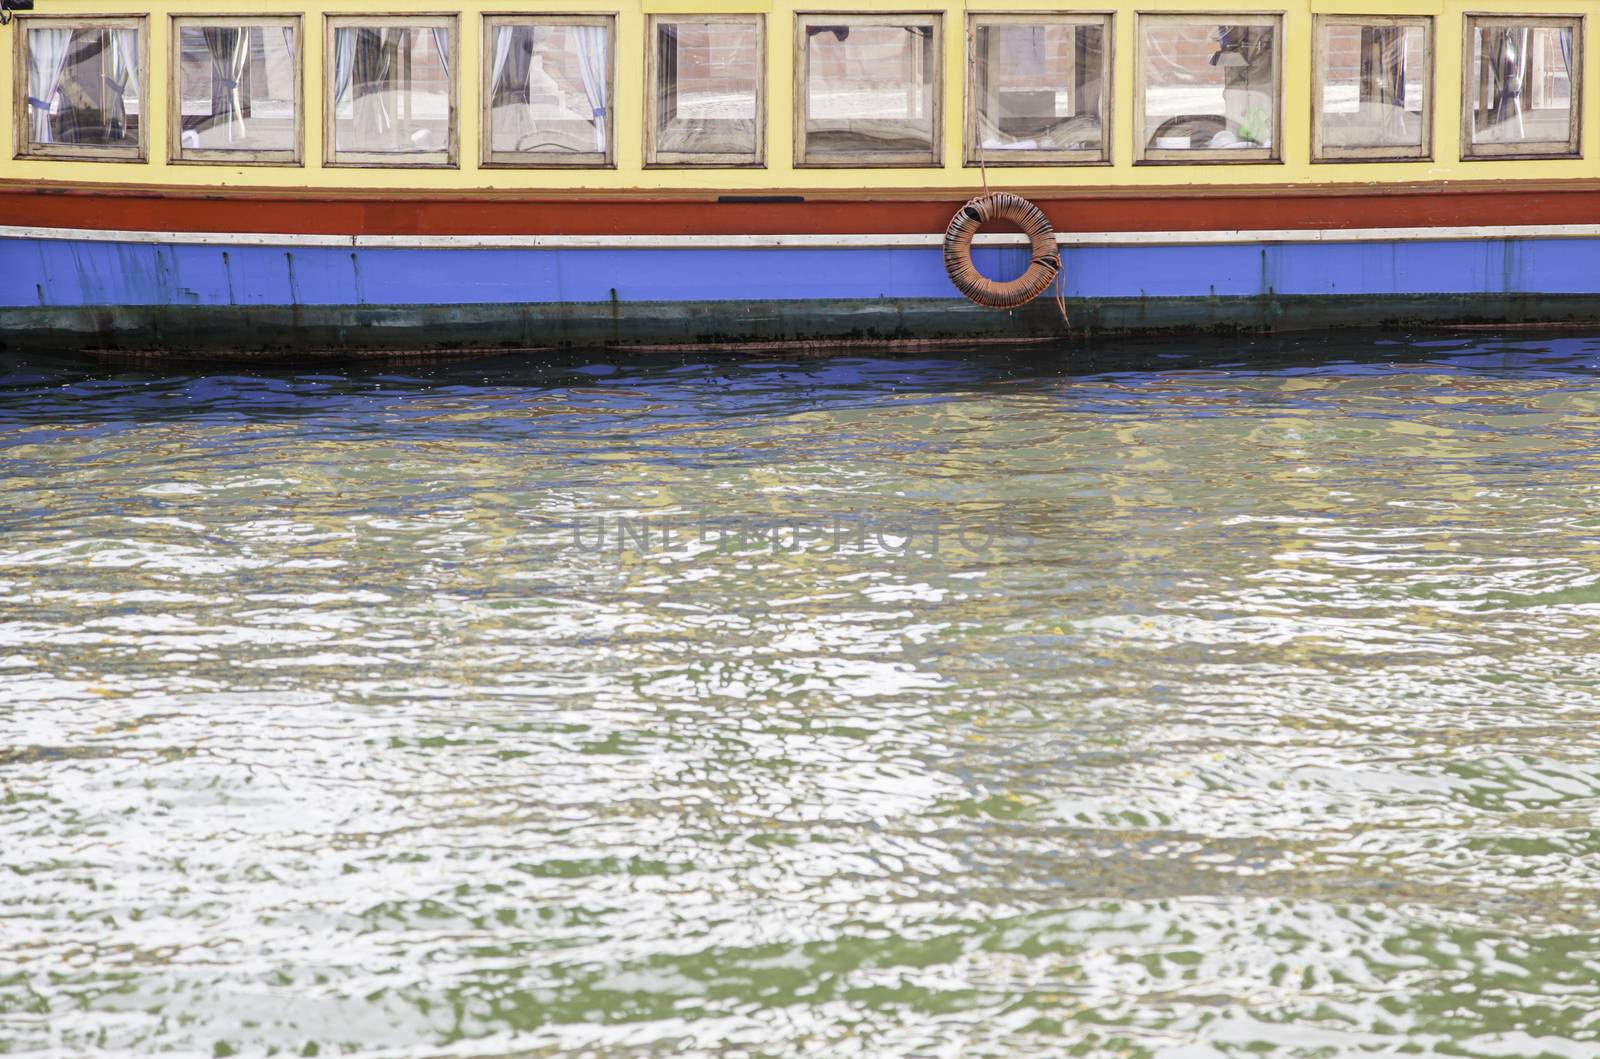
{"x": 230, "y": 54}
{"x": 592, "y": 65}
{"x": 441, "y": 40}
{"x": 1383, "y": 81}
{"x": 917, "y": 98}
{"x": 366, "y": 48}
{"x": 236, "y": 67}
{"x": 344, "y": 62}
{"x": 47, "y": 57}
{"x": 372, "y": 109}
{"x": 1508, "y": 61}
{"x": 502, "y": 53}
{"x": 124, "y": 76}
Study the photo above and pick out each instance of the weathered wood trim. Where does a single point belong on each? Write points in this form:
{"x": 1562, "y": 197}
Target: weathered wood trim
{"x": 1143, "y": 153}
{"x": 973, "y": 152}
{"x": 655, "y": 158}
{"x": 332, "y": 157}
{"x": 1321, "y": 152}
{"x": 177, "y": 154}
{"x": 1573, "y": 146}
{"x": 931, "y": 159}
{"x": 22, "y": 146}
{"x": 488, "y": 157}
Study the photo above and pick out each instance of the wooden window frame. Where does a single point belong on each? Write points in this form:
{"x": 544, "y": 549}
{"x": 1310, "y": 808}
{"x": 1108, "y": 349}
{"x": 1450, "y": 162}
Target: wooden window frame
{"x": 934, "y": 158}
{"x": 177, "y": 154}
{"x": 22, "y": 146}
{"x": 1472, "y": 21}
{"x": 1321, "y": 152}
{"x": 654, "y": 157}
{"x": 332, "y": 157}
{"x": 1143, "y": 153}
{"x": 488, "y": 157}
{"x": 974, "y": 155}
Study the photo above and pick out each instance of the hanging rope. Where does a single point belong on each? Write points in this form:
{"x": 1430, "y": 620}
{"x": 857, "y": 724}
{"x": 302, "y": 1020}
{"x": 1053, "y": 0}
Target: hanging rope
{"x": 977, "y": 287}
{"x": 1045, "y": 267}
{"x": 972, "y": 97}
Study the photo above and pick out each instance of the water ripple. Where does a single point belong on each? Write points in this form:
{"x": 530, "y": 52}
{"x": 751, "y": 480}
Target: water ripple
{"x": 1206, "y": 701}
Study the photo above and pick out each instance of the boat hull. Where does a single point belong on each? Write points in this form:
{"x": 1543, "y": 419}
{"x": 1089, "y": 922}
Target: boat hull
{"x": 822, "y": 326}
{"x": 296, "y": 294}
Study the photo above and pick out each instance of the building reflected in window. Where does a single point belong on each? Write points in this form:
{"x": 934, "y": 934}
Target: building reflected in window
{"x": 705, "y": 106}
{"x": 1373, "y": 94}
{"x": 871, "y": 89}
{"x": 1040, "y": 88}
{"x": 1210, "y": 91}
{"x": 1522, "y": 83}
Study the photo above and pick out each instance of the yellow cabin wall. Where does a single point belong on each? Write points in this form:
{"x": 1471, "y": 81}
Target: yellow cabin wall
{"x": 779, "y": 173}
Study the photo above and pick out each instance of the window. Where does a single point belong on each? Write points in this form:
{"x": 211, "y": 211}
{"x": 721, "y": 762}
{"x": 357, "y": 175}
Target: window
{"x": 1209, "y": 88}
{"x": 392, "y": 91}
{"x": 1373, "y": 97}
{"x": 868, "y": 90}
{"x": 1039, "y": 89}
{"x": 82, "y": 84}
{"x": 236, "y": 93}
{"x": 1524, "y": 78}
{"x": 704, "y": 105}
{"x": 547, "y": 91}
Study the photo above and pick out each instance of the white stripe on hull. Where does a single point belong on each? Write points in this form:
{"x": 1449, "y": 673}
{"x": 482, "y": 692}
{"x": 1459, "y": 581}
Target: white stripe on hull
{"x": 771, "y": 242}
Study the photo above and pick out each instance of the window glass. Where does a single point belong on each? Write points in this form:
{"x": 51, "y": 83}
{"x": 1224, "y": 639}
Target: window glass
{"x": 707, "y": 84}
{"x": 391, "y": 93}
{"x": 1374, "y": 88}
{"x": 549, "y": 94}
{"x": 237, "y": 89}
{"x": 1038, "y": 89}
{"x": 1209, "y": 88}
{"x": 870, "y": 91}
{"x": 84, "y": 88}
{"x": 1522, "y": 79}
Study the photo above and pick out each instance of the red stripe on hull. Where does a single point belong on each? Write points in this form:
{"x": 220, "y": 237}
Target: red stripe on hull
{"x": 506, "y": 213}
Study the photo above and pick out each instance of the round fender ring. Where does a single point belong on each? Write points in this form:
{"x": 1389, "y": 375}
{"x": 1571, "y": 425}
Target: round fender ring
{"x": 975, "y": 285}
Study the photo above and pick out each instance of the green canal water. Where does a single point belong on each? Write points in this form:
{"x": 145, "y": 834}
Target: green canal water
{"x": 1176, "y": 702}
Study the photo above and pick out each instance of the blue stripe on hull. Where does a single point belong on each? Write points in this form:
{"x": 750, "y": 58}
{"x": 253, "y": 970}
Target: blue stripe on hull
{"x": 67, "y": 273}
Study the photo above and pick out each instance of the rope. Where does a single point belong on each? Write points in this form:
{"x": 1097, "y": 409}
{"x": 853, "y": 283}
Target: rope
{"x": 972, "y": 97}
{"x": 1045, "y": 268}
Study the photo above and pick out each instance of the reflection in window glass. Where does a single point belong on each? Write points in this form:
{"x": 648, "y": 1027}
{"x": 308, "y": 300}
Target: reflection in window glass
{"x": 869, "y": 91}
{"x": 1372, "y": 85}
{"x": 1521, "y": 84}
{"x": 83, "y": 87}
{"x": 236, "y": 88}
{"x": 391, "y": 90}
{"x": 548, "y": 91}
{"x": 1208, "y": 87}
{"x": 1038, "y": 87}
{"x": 706, "y": 89}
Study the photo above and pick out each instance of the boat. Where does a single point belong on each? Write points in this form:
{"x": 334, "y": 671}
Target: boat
{"x": 368, "y": 176}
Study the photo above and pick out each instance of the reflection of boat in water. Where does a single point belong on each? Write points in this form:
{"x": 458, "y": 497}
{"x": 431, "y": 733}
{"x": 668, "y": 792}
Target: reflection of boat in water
{"x": 292, "y": 180}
